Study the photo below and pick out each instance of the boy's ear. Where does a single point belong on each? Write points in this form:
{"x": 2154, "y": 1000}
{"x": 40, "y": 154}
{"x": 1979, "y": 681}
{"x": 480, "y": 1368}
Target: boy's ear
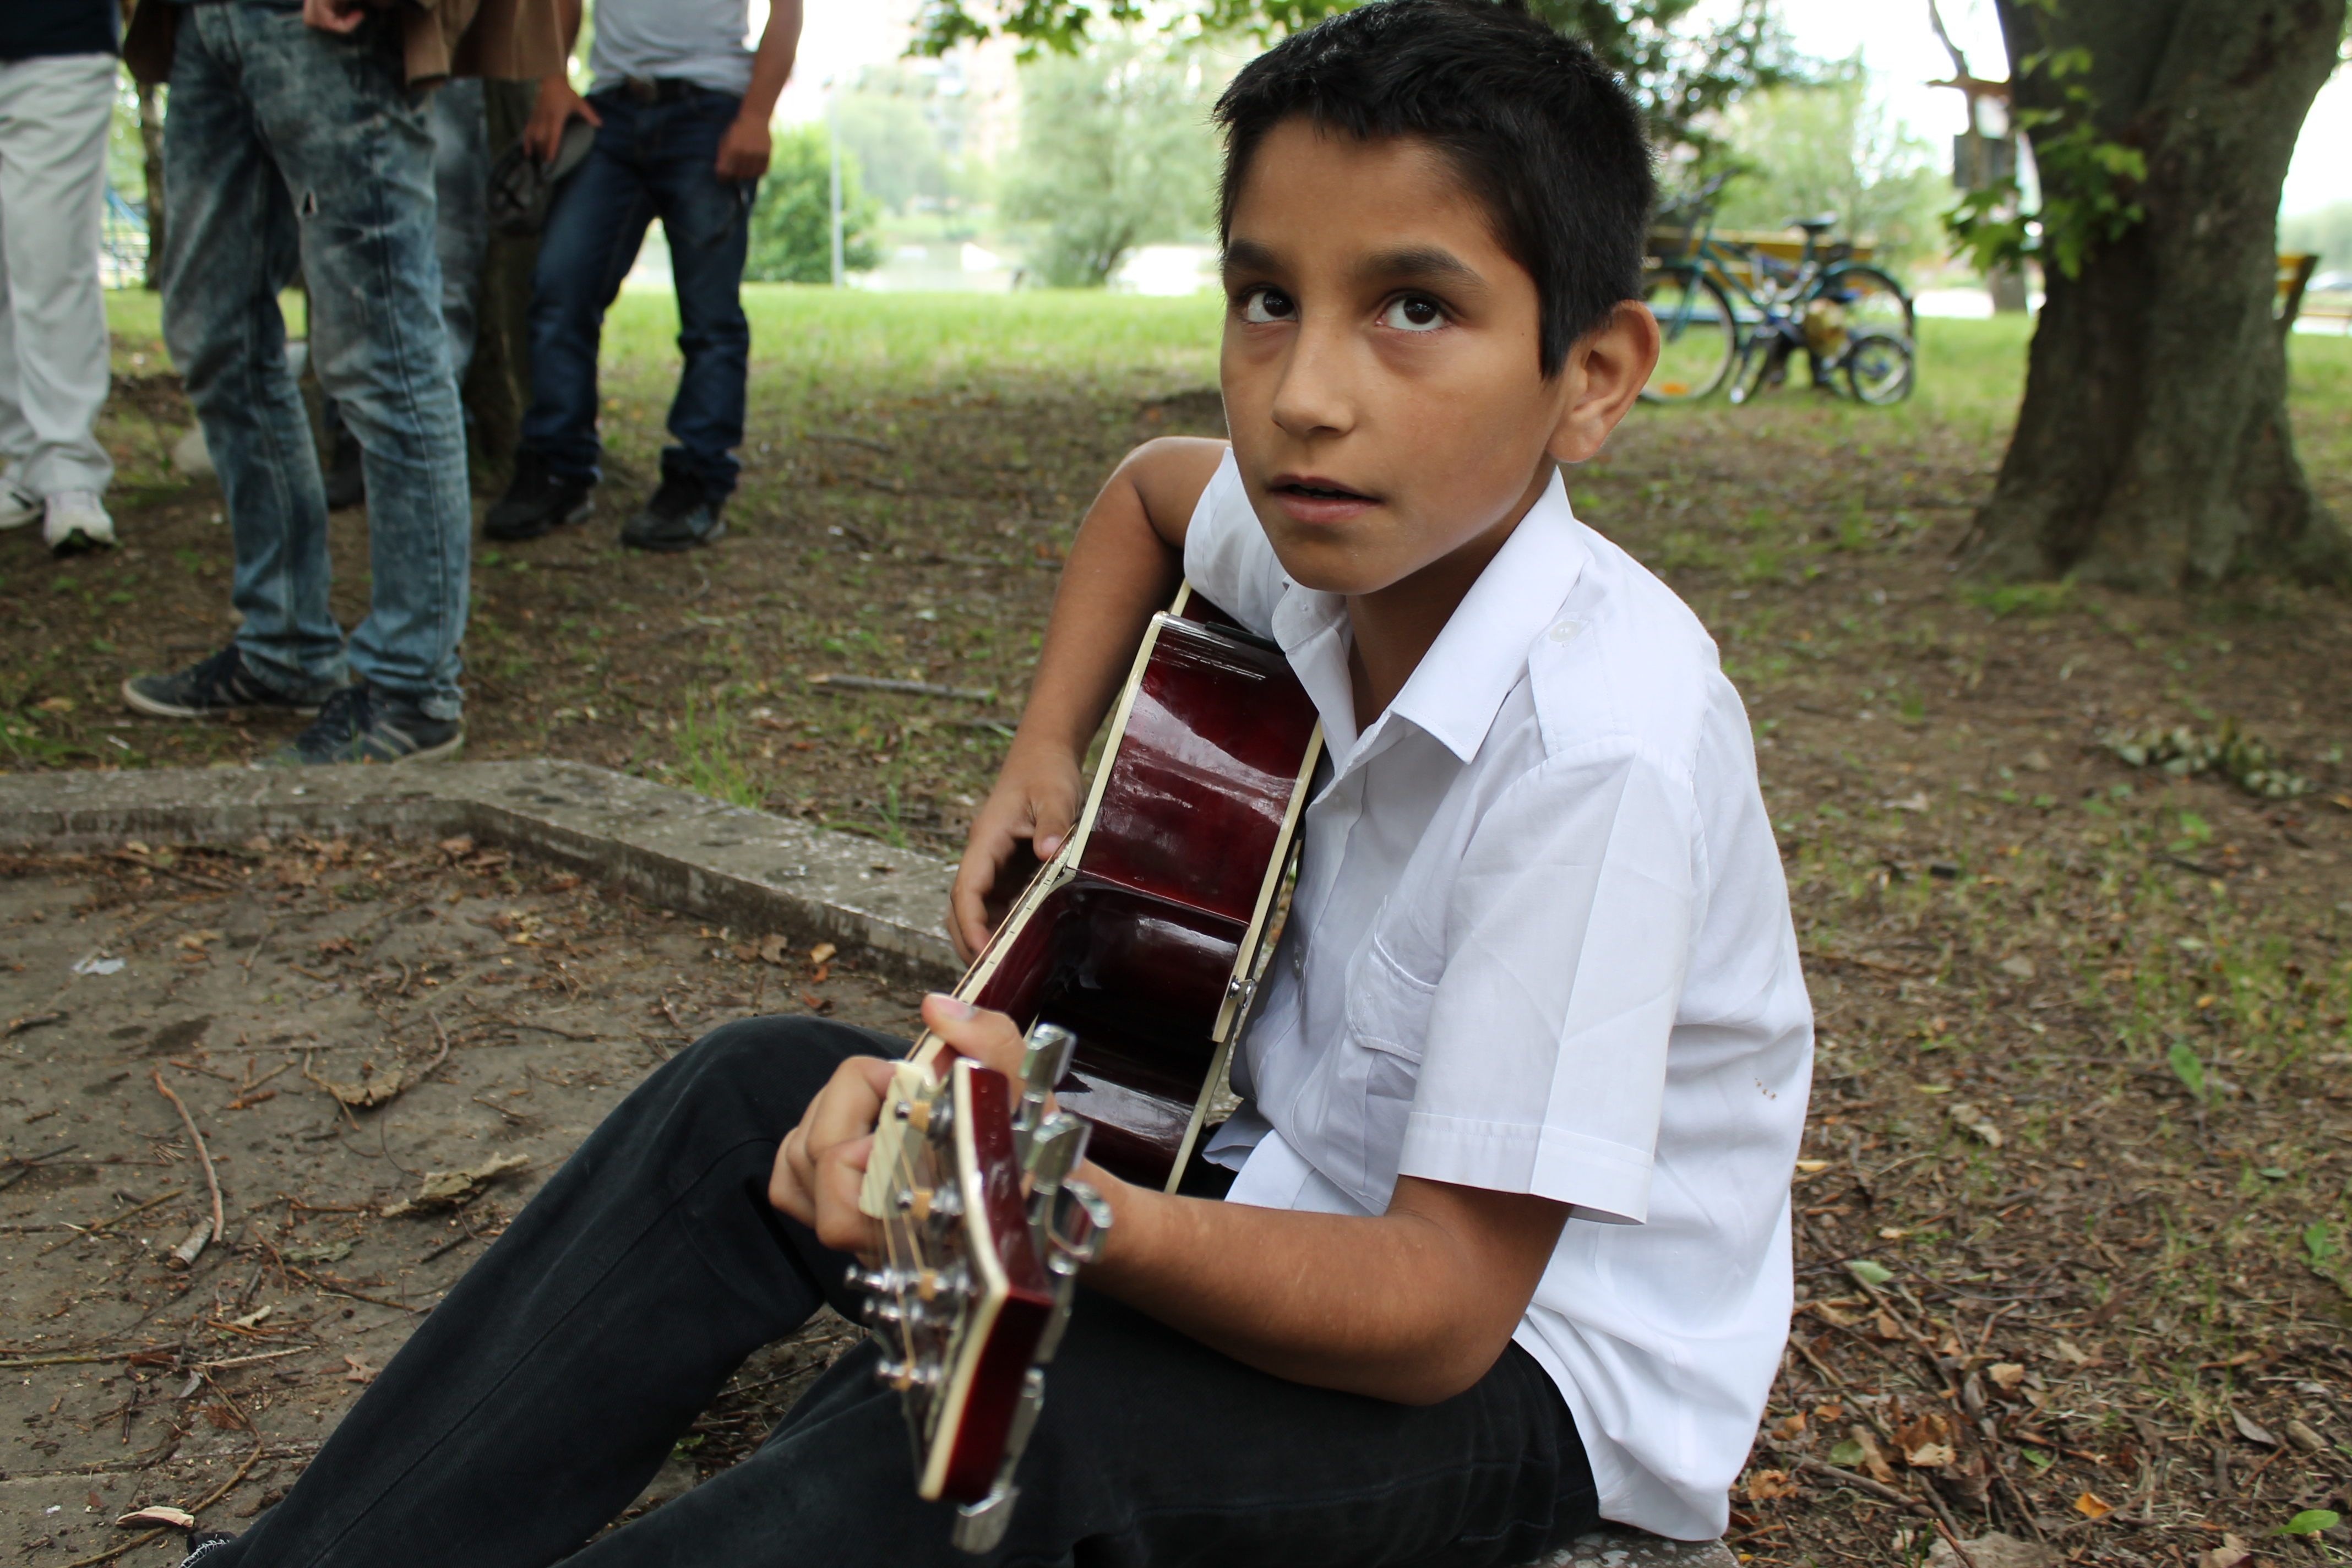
{"x": 1605, "y": 371}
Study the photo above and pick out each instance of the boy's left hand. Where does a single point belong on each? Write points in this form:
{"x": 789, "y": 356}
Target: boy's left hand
{"x": 821, "y": 1162}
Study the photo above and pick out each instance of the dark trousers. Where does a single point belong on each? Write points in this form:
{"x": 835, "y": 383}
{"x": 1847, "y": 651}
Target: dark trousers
{"x": 545, "y": 1390}
{"x": 649, "y": 160}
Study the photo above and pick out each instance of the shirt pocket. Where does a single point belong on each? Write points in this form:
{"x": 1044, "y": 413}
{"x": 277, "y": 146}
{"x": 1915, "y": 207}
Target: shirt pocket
{"x": 1388, "y": 1021}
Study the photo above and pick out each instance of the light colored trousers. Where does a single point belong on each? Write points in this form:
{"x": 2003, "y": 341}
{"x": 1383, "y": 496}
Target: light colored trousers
{"x": 54, "y": 113}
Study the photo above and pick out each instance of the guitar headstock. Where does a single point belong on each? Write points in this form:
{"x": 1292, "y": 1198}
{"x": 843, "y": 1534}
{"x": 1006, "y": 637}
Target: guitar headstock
{"x": 986, "y": 1233}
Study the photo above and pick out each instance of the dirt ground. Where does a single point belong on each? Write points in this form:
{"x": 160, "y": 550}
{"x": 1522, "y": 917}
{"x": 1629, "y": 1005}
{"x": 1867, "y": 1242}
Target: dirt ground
{"x": 491, "y": 1011}
{"x": 2073, "y": 1232}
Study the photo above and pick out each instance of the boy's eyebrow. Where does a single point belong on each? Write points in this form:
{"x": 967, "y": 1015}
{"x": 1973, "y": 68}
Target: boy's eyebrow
{"x": 1427, "y": 264}
{"x": 1419, "y": 263}
{"x": 1246, "y": 256}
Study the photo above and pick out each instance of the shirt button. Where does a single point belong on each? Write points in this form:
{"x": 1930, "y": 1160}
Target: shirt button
{"x": 1567, "y": 631}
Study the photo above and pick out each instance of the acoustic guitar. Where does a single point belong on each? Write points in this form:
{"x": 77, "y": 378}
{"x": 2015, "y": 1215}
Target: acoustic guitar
{"x": 1131, "y": 958}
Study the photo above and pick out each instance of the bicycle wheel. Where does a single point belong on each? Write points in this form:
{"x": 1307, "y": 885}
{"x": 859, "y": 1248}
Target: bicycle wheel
{"x": 1869, "y": 301}
{"x": 1698, "y": 335}
{"x": 1878, "y": 368}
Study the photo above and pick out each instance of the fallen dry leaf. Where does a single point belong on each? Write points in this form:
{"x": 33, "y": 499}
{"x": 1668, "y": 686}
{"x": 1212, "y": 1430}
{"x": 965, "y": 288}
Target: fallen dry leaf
{"x": 446, "y": 1189}
{"x": 2089, "y": 1506}
{"x": 2006, "y": 1376}
{"x": 821, "y": 953}
{"x": 361, "y": 1372}
{"x": 2250, "y": 1432}
{"x": 1930, "y": 1456}
{"x": 1766, "y": 1484}
{"x": 157, "y": 1515}
{"x": 2069, "y": 1351}
{"x": 1788, "y": 1427}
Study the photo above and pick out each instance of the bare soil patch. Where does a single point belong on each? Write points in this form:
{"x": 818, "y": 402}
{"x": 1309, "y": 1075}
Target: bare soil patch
{"x": 478, "y": 1009}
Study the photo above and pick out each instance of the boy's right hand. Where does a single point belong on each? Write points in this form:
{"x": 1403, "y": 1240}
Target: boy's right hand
{"x": 557, "y": 106}
{"x": 1029, "y": 813}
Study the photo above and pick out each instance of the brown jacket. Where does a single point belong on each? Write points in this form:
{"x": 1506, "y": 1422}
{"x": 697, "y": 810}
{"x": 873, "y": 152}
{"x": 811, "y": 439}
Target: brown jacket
{"x": 516, "y": 40}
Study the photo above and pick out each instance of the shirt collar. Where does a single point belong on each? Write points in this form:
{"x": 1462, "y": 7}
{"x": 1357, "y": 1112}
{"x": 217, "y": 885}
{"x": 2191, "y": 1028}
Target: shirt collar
{"x": 1453, "y": 693}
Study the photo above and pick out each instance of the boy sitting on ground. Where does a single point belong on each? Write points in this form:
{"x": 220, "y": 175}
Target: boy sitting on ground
{"x": 1507, "y": 1251}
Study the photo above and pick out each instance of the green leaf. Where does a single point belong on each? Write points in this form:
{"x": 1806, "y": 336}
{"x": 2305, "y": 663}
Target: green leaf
{"x": 2310, "y": 1522}
{"x": 1870, "y": 1274}
{"x": 1848, "y": 1453}
{"x": 2186, "y": 1069}
{"x": 2036, "y": 1457}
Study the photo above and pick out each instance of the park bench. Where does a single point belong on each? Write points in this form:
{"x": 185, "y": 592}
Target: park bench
{"x": 2294, "y": 301}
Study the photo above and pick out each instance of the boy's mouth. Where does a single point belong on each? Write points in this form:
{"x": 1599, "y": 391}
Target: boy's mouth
{"x": 1320, "y": 490}
{"x": 1311, "y": 498}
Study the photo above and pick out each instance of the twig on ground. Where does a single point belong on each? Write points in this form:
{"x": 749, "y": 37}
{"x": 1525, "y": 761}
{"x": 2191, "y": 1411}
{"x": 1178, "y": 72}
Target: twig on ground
{"x": 902, "y": 688}
{"x": 82, "y": 1230}
{"x": 205, "y": 1159}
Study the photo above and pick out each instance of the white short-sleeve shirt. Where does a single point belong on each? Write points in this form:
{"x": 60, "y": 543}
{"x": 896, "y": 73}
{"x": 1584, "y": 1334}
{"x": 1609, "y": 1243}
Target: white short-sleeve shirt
{"x": 1540, "y": 943}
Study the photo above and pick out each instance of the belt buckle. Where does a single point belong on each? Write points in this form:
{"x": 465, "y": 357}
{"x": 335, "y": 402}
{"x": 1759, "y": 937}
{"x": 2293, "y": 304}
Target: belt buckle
{"x": 642, "y": 89}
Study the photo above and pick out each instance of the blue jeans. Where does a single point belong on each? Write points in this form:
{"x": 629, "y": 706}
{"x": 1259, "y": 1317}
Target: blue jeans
{"x": 649, "y": 160}
{"x": 287, "y": 144}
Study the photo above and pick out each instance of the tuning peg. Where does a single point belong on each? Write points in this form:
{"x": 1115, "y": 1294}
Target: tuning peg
{"x": 877, "y": 1282}
{"x": 932, "y": 1118}
{"x": 1045, "y": 1061}
{"x": 920, "y": 1373}
{"x": 1075, "y": 1234}
{"x": 1055, "y": 1148}
{"x": 930, "y": 1203}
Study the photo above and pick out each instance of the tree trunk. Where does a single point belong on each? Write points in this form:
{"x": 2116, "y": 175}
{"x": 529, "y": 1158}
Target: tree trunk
{"x": 2153, "y": 449}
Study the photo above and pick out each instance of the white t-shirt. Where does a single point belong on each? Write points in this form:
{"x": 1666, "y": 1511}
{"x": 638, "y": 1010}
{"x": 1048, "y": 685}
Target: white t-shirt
{"x": 698, "y": 40}
{"x": 1540, "y": 943}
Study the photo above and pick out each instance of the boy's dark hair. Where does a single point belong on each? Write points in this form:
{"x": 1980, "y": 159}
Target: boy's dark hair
{"x": 1539, "y": 129}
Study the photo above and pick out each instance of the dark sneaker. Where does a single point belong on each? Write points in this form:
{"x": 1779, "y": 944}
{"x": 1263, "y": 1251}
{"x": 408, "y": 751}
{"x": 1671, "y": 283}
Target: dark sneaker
{"x": 220, "y": 686}
{"x": 538, "y": 502}
{"x": 678, "y": 517}
{"x": 346, "y": 475}
{"x": 357, "y": 725}
{"x": 203, "y": 1544}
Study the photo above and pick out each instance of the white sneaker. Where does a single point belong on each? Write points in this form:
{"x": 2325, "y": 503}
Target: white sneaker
{"x": 18, "y": 506}
{"x": 77, "y": 523}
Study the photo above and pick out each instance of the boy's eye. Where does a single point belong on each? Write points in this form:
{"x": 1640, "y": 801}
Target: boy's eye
{"x": 1413, "y": 313}
{"x": 1269, "y": 304}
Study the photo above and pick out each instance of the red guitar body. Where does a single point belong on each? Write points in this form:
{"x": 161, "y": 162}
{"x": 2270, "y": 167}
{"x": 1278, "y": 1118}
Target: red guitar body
{"x": 1144, "y": 935}
{"x": 1129, "y": 960}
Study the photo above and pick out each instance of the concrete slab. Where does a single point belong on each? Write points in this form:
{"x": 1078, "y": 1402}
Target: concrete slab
{"x": 669, "y": 845}
{"x": 1616, "y": 1546}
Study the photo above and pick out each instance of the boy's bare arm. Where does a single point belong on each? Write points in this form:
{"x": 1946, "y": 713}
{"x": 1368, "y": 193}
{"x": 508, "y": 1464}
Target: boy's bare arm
{"x": 1413, "y": 1304}
{"x": 1124, "y": 564}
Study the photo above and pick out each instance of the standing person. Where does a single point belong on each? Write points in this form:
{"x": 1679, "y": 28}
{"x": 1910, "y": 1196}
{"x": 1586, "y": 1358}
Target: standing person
{"x": 681, "y": 112}
{"x": 56, "y": 99}
{"x": 461, "y": 238}
{"x": 300, "y": 137}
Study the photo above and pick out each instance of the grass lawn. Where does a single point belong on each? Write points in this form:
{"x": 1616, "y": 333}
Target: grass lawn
{"x": 2072, "y": 1222}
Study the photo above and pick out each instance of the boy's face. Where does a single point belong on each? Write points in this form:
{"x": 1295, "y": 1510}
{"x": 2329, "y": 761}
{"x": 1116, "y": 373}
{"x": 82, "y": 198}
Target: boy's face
{"x": 1380, "y": 365}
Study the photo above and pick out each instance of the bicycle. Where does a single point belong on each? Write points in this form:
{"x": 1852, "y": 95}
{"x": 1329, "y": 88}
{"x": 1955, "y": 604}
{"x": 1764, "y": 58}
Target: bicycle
{"x": 1850, "y": 318}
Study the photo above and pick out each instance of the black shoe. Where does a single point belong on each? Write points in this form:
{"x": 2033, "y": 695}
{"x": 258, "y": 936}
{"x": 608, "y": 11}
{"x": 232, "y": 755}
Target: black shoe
{"x": 538, "y": 502}
{"x": 223, "y": 684}
{"x": 357, "y": 725}
{"x": 678, "y": 517}
{"x": 346, "y": 475}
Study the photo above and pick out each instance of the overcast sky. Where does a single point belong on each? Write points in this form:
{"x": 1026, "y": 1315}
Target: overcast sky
{"x": 840, "y": 37}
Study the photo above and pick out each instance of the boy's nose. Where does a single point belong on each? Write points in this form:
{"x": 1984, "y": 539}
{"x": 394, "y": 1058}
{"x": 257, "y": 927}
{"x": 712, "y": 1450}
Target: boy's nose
{"x": 1314, "y": 395}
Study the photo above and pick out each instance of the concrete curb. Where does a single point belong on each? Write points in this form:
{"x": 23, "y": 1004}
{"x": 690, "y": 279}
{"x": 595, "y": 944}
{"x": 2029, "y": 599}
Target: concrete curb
{"x": 671, "y": 846}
